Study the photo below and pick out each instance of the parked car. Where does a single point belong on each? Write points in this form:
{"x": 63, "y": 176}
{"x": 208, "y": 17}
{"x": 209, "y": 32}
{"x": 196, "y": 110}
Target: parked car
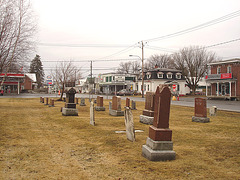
{"x": 124, "y": 92}
{"x": 1, "y": 92}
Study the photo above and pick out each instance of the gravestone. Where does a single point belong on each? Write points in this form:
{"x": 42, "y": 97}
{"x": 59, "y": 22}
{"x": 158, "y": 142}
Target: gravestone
{"x": 76, "y": 100}
{"x": 99, "y": 106}
{"x": 51, "y": 103}
{"x": 130, "y": 131}
{"x": 82, "y": 102}
{"x": 110, "y": 106}
{"x": 159, "y": 145}
{"x": 133, "y": 105}
{"x": 127, "y": 102}
{"x": 213, "y": 111}
{"x": 46, "y": 103}
{"x": 70, "y": 106}
{"x": 64, "y": 99}
{"x": 148, "y": 113}
{"x": 92, "y": 116}
{"x": 116, "y": 107}
{"x": 40, "y": 99}
{"x": 200, "y": 111}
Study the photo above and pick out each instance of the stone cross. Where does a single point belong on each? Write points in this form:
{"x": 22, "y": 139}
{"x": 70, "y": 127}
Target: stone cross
{"x": 130, "y": 132}
{"x": 92, "y": 116}
{"x": 160, "y": 130}
{"x": 127, "y": 102}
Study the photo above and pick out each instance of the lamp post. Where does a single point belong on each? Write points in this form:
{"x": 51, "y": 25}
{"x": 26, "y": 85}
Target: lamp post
{"x": 142, "y": 73}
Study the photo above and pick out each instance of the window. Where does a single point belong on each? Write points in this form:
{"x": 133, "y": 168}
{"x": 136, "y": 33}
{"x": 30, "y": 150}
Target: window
{"x": 178, "y": 76}
{"x": 148, "y": 87}
{"x": 110, "y": 78}
{"x": 106, "y": 79}
{"x": 169, "y": 75}
{"x": 218, "y": 70}
{"x": 160, "y": 75}
{"x": 229, "y": 69}
{"x": 113, "y": 78}
{"x": 148, "y": 75}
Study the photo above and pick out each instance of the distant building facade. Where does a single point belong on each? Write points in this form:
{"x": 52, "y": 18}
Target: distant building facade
{"x": 224, "y": 79}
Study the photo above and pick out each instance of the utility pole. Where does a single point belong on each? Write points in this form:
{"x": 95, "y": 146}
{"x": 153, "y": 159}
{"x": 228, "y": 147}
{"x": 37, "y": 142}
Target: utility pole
{"x": 142, "y": 46}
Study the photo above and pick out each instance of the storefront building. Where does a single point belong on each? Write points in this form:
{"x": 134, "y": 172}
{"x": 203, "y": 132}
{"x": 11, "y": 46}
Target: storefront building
{"x": 224, "y": 80}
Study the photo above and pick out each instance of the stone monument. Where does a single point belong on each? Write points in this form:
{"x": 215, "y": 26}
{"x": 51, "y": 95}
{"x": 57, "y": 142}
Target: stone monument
{"x": 46, "y": 103}
{"x": 70, "y": 106}
{"x": 51, "y": 103}
{"x": 159, "y": 145}
{"x": 76, "y": 100}
{"x": 200, "y": 111}
{"x": 148, "y": 113}
{"x": 127, "y": 102}
{"x": 99, "y": 106}
{"x": 213, "y": 111}
{"x": 130, "y": 132}
{"x": 92, "y": 116}
{"x": 82, "y": 102}
{"x": 133, "y": 105}
{"x": 116, "y": 107}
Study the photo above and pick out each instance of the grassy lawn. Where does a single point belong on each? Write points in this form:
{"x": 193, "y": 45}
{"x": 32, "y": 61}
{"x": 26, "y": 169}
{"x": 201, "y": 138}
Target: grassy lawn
{"x": 37, "y": 142}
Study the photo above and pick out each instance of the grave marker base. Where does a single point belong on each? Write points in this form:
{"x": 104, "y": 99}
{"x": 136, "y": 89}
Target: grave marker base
{"x": 99, "y": 108}
{"x": 116, "y": 113}
{"x": 69, "y": 112}
{"x": 146, "y": 119}
{"x": 200, "y": 119}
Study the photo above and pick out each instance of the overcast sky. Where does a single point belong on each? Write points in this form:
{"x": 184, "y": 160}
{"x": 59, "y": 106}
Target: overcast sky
{"x": 71, "y": 30}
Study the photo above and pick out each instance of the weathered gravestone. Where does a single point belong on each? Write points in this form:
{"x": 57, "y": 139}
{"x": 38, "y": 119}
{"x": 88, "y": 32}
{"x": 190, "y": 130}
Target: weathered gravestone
{"x": 76, "y": 100}
{"x": 159, "y": 145}
{"x": 213, "y": 111}
{"x": 51, "y": 103}
{"x": 133, "y": 105}
{"x": 82, "y": 102}
{"x": 99, "y": 106}
{"x": 127, "y": 102}
{"x": 130, "y": 132}
{"x": 92, "y": 116}
{"x": 148, "y": 113}
{"x": 40, "y": 99}
{"x": 46, "y": 103}
{"x": 116, "y": 107}
{"x": 200, "y": 111}
{"x": 70, "y": 106}
{"x": 110, "y": 106}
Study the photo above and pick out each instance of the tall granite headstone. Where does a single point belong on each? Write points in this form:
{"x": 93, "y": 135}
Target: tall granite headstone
{"x": 99, "y": 106}
{"x": 133, "y": 105}
{"x": 92, "y": 116}
{"x": 83, "y": 102}
{"x": 51, "y": 103}
{"x": 159, "y": 145}
{"x": 46, "y": 102}
{"x": 148, "y": 113}
{"x": 127, "y": 102}
{"x": 116, "y": 107}
{"x": 70, "y": 106}
{"x": 200, "y": 111}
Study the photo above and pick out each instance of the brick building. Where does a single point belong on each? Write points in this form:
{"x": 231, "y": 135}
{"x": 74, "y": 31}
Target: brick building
{"x": 224, "y": 80}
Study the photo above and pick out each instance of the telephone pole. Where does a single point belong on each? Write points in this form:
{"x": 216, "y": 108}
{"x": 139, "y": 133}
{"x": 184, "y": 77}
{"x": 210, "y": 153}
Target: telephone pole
{"x": 142, "y": 46}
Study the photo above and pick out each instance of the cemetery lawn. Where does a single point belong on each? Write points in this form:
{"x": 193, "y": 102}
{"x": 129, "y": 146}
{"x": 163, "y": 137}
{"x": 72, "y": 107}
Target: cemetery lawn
{"x": 37, "y": 142}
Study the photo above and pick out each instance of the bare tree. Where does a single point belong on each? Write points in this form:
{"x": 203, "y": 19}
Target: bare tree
{"x": 124, "y": 68}
{"x": 192, "y": 61}
{"x": 17, "y": 29}
{"x": 63, "y": 73}
{"x": 161, "y": 61}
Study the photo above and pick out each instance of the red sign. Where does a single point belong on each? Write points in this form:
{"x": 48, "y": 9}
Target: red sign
{"x": 174, "y": 86}
{"x": 226, "y": 75}
{"x": 12, "y": 75}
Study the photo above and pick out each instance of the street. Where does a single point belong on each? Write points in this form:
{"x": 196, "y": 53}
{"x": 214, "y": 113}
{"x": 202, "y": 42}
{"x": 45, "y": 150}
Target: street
{"x": 183, "y": 101}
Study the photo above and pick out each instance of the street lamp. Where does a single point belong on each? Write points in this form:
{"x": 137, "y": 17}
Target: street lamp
{"x": 142, "y": 73}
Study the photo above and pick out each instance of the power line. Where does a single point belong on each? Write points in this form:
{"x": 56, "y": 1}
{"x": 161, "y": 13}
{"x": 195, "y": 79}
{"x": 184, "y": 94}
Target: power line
{"x": 201, "y": 26}
{"x": 85, "y": 45}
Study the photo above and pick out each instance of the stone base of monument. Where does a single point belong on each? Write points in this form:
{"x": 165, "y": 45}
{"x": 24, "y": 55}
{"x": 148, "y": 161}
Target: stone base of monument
{"x": 200, "y": 119}
{"x": 99, "y": 108}
{"x": 69, "y": 112}
{"x": 158, "y": 150}
{"x": 146, "y": 119}
{"x": 116, "y": 112}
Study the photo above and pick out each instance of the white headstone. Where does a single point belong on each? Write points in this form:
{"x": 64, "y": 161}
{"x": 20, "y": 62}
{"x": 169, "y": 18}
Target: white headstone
{"x": 213, "y": 111}
{"x": 92, "y": 117}
{"x": 130, "y": 132}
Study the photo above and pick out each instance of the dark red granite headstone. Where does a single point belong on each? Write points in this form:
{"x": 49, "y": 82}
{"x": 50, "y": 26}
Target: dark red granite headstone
{"x": 114, "y": 102}
{"x": 200, "y": 107}
{"x": 160, "y": 131}
{"x": 127, "y": 102}
{"x": 100, "y": 101}
{"x": 149, "y": 104}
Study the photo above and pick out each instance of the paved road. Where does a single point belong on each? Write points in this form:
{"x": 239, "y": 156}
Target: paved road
{"x": 184, "y": 101}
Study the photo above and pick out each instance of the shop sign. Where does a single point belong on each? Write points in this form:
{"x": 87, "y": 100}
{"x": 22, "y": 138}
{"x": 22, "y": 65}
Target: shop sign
{"x": 219, "y": 76}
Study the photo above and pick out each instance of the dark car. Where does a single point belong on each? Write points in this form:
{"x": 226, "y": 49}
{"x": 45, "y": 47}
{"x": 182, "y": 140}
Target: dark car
{"x": 124, "y": 92}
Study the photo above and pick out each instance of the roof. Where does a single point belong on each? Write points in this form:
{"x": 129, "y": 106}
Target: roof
{"x": 164, "y": 70}
{"x": 237, "y": 60}
{"x": 32, "y": 76}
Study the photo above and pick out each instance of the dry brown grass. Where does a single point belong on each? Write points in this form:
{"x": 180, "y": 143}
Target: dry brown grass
{"x": 37, "y": 142}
